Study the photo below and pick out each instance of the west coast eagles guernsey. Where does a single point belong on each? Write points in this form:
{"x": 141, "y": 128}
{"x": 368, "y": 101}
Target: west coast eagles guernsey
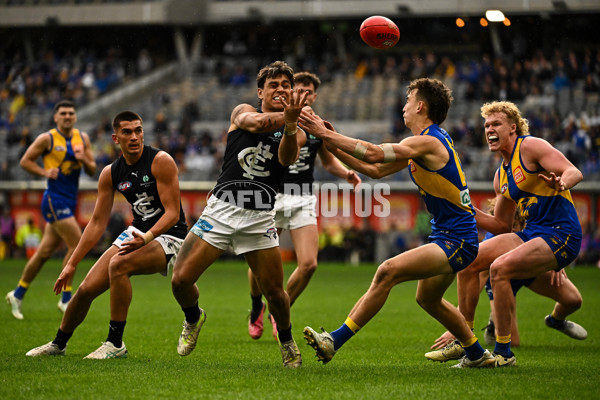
{"x": 299, "y": 177}
{"x": 62, "y": 156}
{"x": 445, "y": 192}
{"x": 138, "y": 185}
{"x": 251, "y": 172}
{"x": 539, "y": 204}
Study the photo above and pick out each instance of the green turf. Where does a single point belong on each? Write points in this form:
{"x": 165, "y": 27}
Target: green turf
{"x": 385, "y": 360}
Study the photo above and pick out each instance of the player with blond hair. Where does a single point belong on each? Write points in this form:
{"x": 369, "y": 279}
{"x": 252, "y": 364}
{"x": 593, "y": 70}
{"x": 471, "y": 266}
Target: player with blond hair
{"x": 536, "y": 179}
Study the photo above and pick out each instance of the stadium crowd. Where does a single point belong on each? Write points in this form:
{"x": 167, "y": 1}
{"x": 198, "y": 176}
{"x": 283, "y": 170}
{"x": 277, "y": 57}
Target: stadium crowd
{"x": 558, "y": 91}
{"x": 559, "y": 94}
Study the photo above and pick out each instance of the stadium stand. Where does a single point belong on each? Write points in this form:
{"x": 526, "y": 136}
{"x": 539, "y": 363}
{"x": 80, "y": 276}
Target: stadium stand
{"x": 552, "y": 76}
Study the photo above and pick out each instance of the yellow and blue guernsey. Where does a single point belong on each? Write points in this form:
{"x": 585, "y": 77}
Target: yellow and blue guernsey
{"x": 447, "y": 199}
{"x": 60, "y": 197}
{"x": 548, "y": 213}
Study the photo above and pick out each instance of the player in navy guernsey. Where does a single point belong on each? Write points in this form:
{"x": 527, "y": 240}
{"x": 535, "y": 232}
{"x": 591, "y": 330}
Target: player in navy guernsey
{"x": 535, "y": 179}
{"x": 435, "y": 168}
{"x": 260, "y": 145}
{"x": 295, "y": 210}
{"x": 147, "y": 177}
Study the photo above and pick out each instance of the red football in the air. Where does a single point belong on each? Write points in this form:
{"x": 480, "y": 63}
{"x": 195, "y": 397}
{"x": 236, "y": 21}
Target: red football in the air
{"x": 379, "y": 32}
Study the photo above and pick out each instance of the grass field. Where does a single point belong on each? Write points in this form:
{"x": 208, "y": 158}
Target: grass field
{"x": 385, "y": 360}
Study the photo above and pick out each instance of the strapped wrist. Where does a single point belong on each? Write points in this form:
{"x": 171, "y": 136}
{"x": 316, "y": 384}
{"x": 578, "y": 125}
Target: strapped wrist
{"x": 290, "y": 128}
{"x": 148, "y": 237}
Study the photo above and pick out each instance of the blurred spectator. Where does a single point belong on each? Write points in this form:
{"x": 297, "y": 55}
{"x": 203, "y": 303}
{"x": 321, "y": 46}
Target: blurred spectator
{"x": 200, "y": 158}
{"x": 235, "y": 47}
{"x": 161, "y": 125}
{"x": 239, "y": 76}
{"x": 7, "y": 232}
{"x": 331, "y": 243}
{"x": 590, "y": 247}
{"x": 144, "y": 62}
{"x": 422, "y": 223}
{"x": 28, "y": 237}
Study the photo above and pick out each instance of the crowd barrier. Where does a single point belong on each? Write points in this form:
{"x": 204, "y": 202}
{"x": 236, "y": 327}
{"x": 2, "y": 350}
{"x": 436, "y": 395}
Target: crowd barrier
{"x": 384, "y": 206}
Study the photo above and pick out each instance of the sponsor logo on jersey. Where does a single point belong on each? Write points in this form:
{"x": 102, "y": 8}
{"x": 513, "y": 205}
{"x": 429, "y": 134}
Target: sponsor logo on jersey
{"x": 60, "y": 148}
{"x": 123, "y": 186}
{"x": 465, "y": 197}
{"x": 204, "y": 225}
{"x": 518, "y": 175}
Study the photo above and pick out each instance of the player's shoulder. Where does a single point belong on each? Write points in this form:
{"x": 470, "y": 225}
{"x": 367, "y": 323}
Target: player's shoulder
{"x": 535, "y": 145}
{"x": 46, "y": 135}
{"x": 529, "y": 140}
{"x": 83, "y": 134}
{"x": 243, "y": 108}
{"x": 162, "y": 157}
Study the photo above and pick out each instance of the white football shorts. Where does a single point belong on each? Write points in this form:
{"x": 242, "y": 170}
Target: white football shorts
{"x": 295, "y": 211}
{"x": 223, "y": 224}
{"x": 170, "y": 245}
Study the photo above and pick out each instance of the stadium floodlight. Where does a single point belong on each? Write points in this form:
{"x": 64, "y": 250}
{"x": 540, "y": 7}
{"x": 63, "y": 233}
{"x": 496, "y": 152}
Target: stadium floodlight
{"x": 494, "y": 15}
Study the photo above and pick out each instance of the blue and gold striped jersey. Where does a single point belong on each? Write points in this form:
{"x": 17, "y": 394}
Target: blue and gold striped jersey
{"x": 538, "y": 204}
{"x": 62, "y": 156}
{"x": 445, "y": 191}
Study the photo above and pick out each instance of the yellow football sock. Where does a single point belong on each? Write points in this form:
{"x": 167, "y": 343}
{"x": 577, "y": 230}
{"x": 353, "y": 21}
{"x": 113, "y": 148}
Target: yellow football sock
{"x": 352, "y": 325}
{"x": 469, "y": 342}
{"x": 503, "y": 339}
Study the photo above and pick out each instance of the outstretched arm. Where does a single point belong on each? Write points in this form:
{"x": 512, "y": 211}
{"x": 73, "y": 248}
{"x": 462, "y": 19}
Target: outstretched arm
{"x": 374, "y": 171}
{"x": 411, "y": 147}
{"x": 335, "y": 167}
{"x": 93, "y": 231}
{"x": 245, "y": 117}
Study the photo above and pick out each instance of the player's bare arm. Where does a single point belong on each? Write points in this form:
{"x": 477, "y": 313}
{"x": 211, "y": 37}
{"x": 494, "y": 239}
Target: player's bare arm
{"x": 245, "y": 117}
{"x": 375, "y": 171}
{"x": 29, "y": 163}
{"x": 560, "y": 174}
{"x": 93, "y": 230}
{"x": 165, "y": 171}
{"x": 504, "y": 213}
{"x": 335, "y": 167}
{"x": 87, "y": 156}
{"x": 423, "y": 147}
